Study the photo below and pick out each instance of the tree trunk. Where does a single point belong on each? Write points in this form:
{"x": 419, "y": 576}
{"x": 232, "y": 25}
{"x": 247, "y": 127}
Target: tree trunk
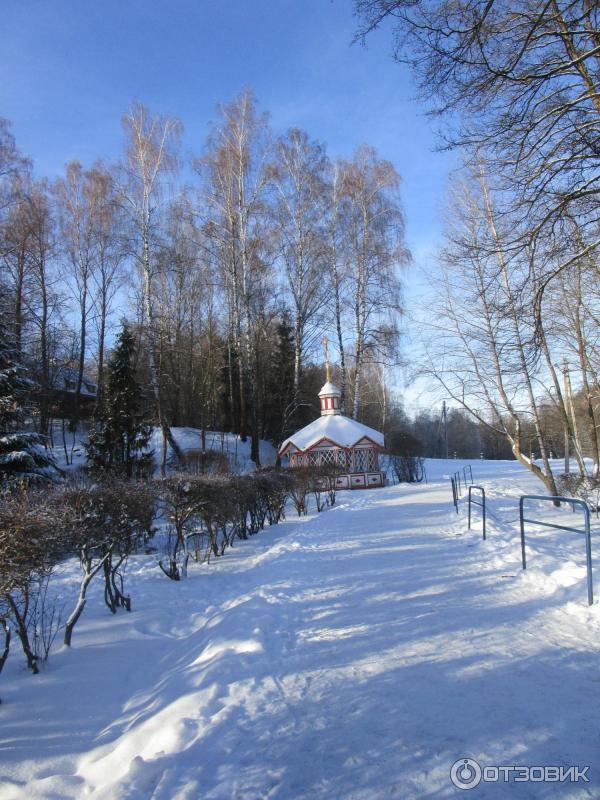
{"x": 6, "y": 649}
{"x": 88, "y": 575}
{"x": 109, "y": 597}
{"x": 20, "y": 619}
{"x": 81, "y": 364}
{"x": 152, "y": 350}
{"x": 340, "y": 337}
{"x": 512, "y": 311}
{"x": 101, "y": 341}
{"x": 587, "y": 392}
{"x": 45, "y": 399}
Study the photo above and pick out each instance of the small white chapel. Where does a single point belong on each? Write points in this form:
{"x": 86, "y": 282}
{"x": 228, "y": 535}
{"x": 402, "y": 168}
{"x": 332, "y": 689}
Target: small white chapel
{"x": 336, "y": 440}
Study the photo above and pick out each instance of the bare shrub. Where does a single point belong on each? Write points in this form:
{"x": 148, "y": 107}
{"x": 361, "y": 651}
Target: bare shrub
{"x": 218, "y": 512}
{"x": 408, "y": 469}
{"x": 136, "y": 506}
{"x": 323, "y": 482}
{"x": 300, "y": 488}
{"x": 276, "y": 487}
{"x": 584, "y": 487}
{"x": 45, "y": 618}
{"x": 29, "y": 548}
{"x": 179, "y": 499}
{"x": 206, "y": 513}
{"x": 104, "y": 522}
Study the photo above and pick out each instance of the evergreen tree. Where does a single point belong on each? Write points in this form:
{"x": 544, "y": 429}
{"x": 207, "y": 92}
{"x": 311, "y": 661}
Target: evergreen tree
{"x": 22, "y": 453}
{"x": 119, "y": 435}
{"x": 279, "y": 411}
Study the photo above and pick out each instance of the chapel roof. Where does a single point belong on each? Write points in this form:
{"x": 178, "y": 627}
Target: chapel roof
{"x": 340, "y": 430}
{"x": 330, "y": 388}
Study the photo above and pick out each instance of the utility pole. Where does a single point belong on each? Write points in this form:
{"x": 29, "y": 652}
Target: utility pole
{"x": 567, "y": 390}
{"x": 445, "y": 420}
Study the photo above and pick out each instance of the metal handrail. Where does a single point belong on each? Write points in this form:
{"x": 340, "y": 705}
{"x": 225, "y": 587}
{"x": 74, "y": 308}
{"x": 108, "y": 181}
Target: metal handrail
{"x": 457, "y": 481}
{"x": 477, "y": 503}
{"x": 454, "y": 493}
{"x": 586, "y": 531}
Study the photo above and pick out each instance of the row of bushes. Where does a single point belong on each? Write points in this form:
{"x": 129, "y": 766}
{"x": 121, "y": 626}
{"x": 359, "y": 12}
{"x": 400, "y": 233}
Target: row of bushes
{"x": 104, "y": 520}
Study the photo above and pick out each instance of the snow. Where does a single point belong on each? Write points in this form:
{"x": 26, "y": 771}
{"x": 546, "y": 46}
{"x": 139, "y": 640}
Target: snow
{"x": 341, "y": 430}
{"x": 355, "y": 654}
{"x": 230, "y": 444}
{"x": 329, "y": 389}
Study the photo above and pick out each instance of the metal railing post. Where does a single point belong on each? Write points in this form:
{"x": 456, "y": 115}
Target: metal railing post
{"x": 484, "y": 513}
{"x": 482, "y": 504}
{"x": 522, "y": 521}
{"x": 588, "y": 554}
{"x": 465, "y": 468}
{"x": 469, "y": 512}
{"x": 587, "y": 531}
{"x": 454, "y": 494}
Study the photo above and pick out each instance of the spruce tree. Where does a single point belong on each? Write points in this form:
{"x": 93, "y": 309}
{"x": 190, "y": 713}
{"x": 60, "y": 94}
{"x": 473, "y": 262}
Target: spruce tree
{"x": 22, "y": 454}
{"x": 279, "y": 411}
{"x": 119, "y": 435}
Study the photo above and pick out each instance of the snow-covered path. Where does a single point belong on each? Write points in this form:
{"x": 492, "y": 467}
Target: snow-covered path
{"x": 357, "y": 654}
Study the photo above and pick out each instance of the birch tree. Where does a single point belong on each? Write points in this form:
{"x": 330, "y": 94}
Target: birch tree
{"x": 16, "y": 234}
{"x": 13, "y": 166}
{"x": 78, "y": 203}
{"x": 43, "y": 303}
{"x": 108, "y": 273}
{"x": 300, "y": 170}
{"x": 374, "y": 249}
{"x": 151, "y": 157}
{"x": 335, "y": 233}
{"x": 237, "y": 175}
{"x": 484, "y": 353}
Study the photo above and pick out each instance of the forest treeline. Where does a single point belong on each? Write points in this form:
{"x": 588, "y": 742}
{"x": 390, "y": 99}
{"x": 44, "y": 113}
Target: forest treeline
{"x": 230, "y": 268}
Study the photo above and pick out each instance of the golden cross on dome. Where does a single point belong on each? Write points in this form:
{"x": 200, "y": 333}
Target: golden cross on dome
{"x": 326, "y": 346}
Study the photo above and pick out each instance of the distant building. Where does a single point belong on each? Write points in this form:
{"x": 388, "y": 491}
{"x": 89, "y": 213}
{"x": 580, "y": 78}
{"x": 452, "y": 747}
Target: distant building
{"x": 64, "y": 389}
{"x": 336, "y": 440}
{"x": 65, "y": 382}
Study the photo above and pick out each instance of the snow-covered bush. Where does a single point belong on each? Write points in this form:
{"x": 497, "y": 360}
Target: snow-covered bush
{"x": 104, "y": 522}
{"x": 318, "y": 481}
{"x": 179, "y": 500}
{"x": 206, "y": 513}
{"x": 30, "y": 546}
{"x": 275, "y": 487}
{"x": 301, "y": 487}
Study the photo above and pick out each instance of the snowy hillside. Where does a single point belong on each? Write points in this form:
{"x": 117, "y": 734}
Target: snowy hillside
{"x": 228, "y": 444}
{"x": 356, "y": 654}
{"x": 188, "y": 439}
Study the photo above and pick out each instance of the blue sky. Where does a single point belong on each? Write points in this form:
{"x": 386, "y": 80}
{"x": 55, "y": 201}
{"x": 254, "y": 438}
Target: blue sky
{"x": 69, "y": 68}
